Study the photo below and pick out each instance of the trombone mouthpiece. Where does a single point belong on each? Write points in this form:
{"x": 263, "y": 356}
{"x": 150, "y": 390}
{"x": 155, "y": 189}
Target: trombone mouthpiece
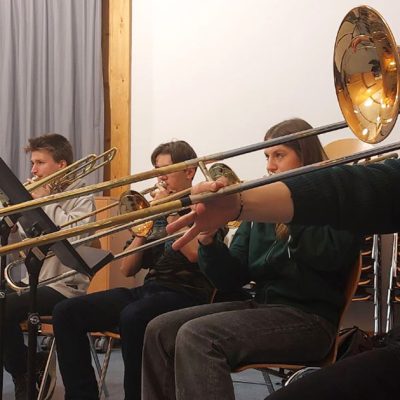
{"x": 157, "y": 188}
{"x": 161, "y": 185}
{"x": 31, "y": 180}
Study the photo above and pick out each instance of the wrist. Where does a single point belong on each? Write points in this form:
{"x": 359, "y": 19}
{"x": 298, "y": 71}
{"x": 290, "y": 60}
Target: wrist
{"x": 205, "y": 240}
{"x": 241, "y": 204}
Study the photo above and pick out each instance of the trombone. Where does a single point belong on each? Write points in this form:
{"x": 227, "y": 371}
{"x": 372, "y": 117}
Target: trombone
{"x": 138, "y": 202}
{"x": 98, "y": 187}
{"x": 61, "y": 179}
{"x": 136, "y": 227}
{"x": 367, "y": 83}
{"x": 129, "y": 201}
{"x": 122, "y": 203}
{"x": 380, "y": 158}
{"x": 64, "y": 177}
{"x": 22, "y": 288}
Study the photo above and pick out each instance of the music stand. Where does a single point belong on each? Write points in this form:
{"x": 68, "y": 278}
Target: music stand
{"x": 36, "y": 222}
{"x": 5, "y": 228}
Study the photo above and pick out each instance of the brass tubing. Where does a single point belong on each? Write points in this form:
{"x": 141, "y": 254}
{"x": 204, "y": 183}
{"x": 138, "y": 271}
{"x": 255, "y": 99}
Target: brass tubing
{"x": 119, "y": 228}
{"x": 176, "y": 205}
{"x": 76, "y": 170}
{"x": 22, "y": 289}
{"x": 54, "y": 198}
{"x": 62, "y": 172}
{"x": 76, "y": 243}
{"x": 149, "y": 245}
{"x": 205, "y": 171}
{"x": 379, "y": 159}
{"x": 94, "y": 212}
{"x": 172, "y": 196}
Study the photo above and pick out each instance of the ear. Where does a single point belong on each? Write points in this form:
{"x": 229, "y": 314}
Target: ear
{"x": 62, "y": 164}
{"x": 190, "y": 172}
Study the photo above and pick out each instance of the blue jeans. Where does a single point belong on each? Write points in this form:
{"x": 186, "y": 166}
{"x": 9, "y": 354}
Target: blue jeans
{"x": 189, "y": 354}
{"x": 128, "y": 309}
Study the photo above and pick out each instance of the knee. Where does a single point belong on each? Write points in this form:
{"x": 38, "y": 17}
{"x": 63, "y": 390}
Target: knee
{"x": 158, "y": 334}
{"x": 193, "y": 334}
{"x": 131, "y": 322}
{"x": 155, "y": 326}
{"x": 66, "y": 313}
{"x": 187, "y": 332}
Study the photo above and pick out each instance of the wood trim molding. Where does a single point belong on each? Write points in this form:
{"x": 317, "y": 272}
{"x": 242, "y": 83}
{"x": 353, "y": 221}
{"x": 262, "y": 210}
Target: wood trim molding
{"x": 116, "y": 47}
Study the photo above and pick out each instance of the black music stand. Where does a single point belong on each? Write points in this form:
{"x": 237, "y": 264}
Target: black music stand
{"x": 5, "y": 228}
{"x": 35, "y": 222}
{"x": 4, "y": 233}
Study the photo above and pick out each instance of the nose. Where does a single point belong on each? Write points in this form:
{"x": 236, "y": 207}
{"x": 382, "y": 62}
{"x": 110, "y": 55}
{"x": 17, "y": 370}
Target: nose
{"x": 271, "y": 166}
{"x": 34, "y": 169}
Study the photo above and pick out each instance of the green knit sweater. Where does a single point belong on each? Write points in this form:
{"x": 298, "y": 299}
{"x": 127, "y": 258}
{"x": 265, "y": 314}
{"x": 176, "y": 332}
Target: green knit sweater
{"x": 362, "y": 199}
{"x": 308, "y": 271}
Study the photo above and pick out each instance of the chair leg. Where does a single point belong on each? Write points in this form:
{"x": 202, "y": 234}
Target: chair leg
{"x": 300, "y": 374}
{"x": 51, "y": 359}
{"x": 268, "y": 382}
{"x": 96, "y": 360}
{"x": 104, "y": 368}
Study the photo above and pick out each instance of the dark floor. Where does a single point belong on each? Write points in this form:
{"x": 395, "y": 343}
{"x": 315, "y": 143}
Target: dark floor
{"x": 249, "y": 385}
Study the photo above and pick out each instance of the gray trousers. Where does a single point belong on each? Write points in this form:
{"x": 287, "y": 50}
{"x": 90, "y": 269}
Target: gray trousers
{"x": 190, "y": 353}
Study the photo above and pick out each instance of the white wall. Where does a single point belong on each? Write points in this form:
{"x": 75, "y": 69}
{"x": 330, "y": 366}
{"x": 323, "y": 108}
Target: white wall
{"x": 218, "y": 73}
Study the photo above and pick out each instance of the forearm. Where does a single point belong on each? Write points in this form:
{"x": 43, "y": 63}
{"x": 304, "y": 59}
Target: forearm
{"x": 64, "y": 214}
{"x": 191, "y": 248}
{"x": 132, "y": 264}
{"x": 269, "y": 203}
{"x": 190, "y": 251}
{"x": 356, "y": 198}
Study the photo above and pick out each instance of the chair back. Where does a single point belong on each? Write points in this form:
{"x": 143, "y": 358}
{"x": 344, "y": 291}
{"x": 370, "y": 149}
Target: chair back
{"x": 350, "y": 290}
{"x": 345, "y": 147}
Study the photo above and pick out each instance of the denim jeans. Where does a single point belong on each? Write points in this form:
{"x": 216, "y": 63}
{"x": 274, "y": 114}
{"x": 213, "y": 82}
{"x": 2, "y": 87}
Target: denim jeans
{"x": 189, "y": 354}
{"x": 17, "y": 309}
{"x": 128, "y": 309}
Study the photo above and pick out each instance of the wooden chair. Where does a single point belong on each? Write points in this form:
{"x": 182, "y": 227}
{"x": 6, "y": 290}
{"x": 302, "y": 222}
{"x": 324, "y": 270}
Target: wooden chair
{"x": 345, "y": 147}
{"x": 110, "y": 337}
{"x": 283, "y": 370}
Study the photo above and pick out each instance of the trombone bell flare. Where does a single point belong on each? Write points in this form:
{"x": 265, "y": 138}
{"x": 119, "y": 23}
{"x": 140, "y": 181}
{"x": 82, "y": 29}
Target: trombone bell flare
{"x": 366, "y": 72}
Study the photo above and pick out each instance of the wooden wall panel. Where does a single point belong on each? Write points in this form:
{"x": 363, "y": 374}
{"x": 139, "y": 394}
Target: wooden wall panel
{"x": 110, "y": 276}
{"x": 116, "y": 42}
